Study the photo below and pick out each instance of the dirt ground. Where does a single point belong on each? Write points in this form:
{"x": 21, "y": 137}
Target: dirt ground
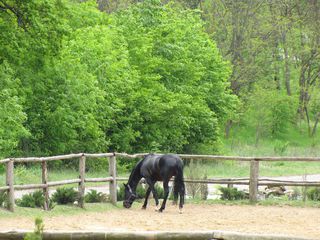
{"x": 290, "y": 221}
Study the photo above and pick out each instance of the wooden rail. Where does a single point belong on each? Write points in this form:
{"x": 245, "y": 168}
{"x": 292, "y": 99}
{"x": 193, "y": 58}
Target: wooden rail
{"x": 253, "y": 181}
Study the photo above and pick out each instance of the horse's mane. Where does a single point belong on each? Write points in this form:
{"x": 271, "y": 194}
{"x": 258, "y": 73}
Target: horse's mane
{"x": 135, "y": 169}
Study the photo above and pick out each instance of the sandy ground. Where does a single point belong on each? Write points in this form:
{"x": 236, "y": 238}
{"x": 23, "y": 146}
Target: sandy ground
{"x": 290, "y": 221}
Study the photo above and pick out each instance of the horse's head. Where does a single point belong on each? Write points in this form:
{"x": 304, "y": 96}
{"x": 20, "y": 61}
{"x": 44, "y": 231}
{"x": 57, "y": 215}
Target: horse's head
{"x": 129, "y": 196}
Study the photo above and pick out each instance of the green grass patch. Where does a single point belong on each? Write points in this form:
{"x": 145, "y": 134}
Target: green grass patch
{"x": 59, "y": 210}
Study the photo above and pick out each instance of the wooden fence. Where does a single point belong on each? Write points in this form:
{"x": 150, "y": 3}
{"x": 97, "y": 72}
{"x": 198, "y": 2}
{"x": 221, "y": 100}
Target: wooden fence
{"x": 253, "y": 181}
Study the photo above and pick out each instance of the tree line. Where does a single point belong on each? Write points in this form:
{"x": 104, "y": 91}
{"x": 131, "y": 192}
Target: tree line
{"x": 171, "y": 76}
{"x": 76, "y": 79}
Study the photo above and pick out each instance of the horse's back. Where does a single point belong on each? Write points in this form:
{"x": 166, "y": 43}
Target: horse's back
{"x": 160, "y": 166}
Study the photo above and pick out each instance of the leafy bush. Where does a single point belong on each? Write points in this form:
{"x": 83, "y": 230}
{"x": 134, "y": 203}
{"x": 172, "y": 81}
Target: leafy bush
{"x": 159, "y": 190}
{"x": 93, "y": 196}
{"x": 3, "y": 198}
{"x": 314, "y": 193}
{"x": 32, "y": 200}
{"x": 65, "y": 195}
{"x": 140, "y": 191}
{"x": 231, "y": 194}
{"x": 280, "y": 147}
{"x": 37, "y": 234}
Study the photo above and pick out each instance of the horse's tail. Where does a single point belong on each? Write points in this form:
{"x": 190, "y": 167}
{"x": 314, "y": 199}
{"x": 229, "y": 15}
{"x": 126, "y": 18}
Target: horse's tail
{"x": 178, "y": 186}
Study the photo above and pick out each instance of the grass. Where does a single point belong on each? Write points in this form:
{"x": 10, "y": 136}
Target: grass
{"x": 58, "y": 210}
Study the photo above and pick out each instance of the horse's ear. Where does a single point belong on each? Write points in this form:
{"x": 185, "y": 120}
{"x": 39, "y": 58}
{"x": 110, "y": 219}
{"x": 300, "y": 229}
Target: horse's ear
{"x": 125, "y": 185}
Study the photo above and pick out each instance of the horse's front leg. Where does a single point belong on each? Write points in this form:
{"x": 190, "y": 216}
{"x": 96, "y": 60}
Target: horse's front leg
{"x": 153, "y": 190}
{"x": 166, "y": 194}
{"x": 144, "y": 206}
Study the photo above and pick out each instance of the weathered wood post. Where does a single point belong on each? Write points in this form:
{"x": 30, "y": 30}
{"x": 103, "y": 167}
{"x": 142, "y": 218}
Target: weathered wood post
{"x": 46, "y": 188}
{"x": 113, "y": 183}
{"x": 9, "y": 182}
{"x": 254, "y": 175}
{"x": 81, "y": 187}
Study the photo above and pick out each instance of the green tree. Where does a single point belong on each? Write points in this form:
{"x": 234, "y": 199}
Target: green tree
{"x": 12, "y": 116}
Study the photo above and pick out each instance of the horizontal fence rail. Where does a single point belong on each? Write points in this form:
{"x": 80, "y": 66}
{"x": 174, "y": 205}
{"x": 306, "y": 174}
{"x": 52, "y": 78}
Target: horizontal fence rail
{"x": 253, "y": 181}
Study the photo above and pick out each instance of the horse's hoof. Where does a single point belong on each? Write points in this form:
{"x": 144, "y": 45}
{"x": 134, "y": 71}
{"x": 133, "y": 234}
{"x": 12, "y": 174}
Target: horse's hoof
{"x": 143, "y": 208}
{"x": 157, "y": 209}
{"x": 180, "y": 211}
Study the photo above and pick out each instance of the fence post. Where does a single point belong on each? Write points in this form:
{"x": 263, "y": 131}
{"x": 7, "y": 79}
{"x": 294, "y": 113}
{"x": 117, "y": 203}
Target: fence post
{"x": 81, "y": 187}
{"x": 254, "y": 175}
{"x": 9, "y": 182}
{"x": 113, "y": 183}
{"x": 45, "y": 189}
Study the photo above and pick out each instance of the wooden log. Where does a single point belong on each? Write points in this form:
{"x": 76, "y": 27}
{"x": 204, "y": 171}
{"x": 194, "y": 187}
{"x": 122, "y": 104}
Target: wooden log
{"x": 5, "y": 160}
{"x": 81, "y": 187}
{"x": 45, "y": 189}
{"x": 98, "y": 155}
{"x": 253, "y": 186}
{"x": 53, "y": 158}
{"x": 107, "y": 179}
{"x": 9, "y": 182}
{"x": 147, "y": 235}
{"x": 113, "y": 183}
{"x": 64, "y": 182}
{"x": 125, "y": 155}
{"x": 4, "y": 188}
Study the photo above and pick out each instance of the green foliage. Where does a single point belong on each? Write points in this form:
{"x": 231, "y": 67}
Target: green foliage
{"x": 270, "y": 113}
{"x": 3, "y": 198}
{"x": 12, "y": 116}
{"x": 313, "y": 193}
{"x": 37, "y": 234}
{"x": 196, "y": 170}
{"x": 64, "y": 195}
{"x": 231, "y": 194}
{"x": 140, "y": 192}
{"x": 32, "y": 200}
{"x": 93, "y": 197}
{"x": 280, "y": 147}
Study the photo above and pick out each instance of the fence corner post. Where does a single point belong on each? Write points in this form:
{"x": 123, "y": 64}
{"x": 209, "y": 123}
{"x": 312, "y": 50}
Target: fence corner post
{"x": 113, "y": 183}
{"x": 254, "y": 175}
{"x": 9, "y": 183}
{"x": 81, "y": 187}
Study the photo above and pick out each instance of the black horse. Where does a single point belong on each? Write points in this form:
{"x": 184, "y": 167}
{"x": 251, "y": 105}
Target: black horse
{"x": 156, "y": 168}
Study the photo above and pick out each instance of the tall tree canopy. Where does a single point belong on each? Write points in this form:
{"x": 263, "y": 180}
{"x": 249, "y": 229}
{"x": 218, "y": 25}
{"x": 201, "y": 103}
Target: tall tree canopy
{"x": 75, "y": 79}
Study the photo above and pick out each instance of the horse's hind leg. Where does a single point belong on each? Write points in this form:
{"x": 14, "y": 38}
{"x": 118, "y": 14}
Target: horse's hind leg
{"x": 144, "y": 206}
{"x": 182, "y": 193}
{"x": 166, "y": 193}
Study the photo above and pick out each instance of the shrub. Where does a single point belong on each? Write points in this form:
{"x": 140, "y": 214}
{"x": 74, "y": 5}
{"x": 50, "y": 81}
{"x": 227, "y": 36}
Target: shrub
{"x": 160, "y": 191}
{"x": 93, "y": 197}
{"x": 37, "y": 234}
{"x": 32, "y": 200}
{"x": 314, "y": 193}
{"x": 120, "y": 193}
{"x": 231, "y": 194}
{"x": 140, "y": 191}
{"x": 65, "y": 195}
{"x": 3, "y": 198}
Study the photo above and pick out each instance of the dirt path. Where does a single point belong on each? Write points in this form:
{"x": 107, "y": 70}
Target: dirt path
{"x": 291, "y": 221}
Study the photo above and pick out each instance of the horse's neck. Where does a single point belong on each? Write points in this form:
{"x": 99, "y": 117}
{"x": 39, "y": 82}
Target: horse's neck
{"x": 135, "y": 177}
